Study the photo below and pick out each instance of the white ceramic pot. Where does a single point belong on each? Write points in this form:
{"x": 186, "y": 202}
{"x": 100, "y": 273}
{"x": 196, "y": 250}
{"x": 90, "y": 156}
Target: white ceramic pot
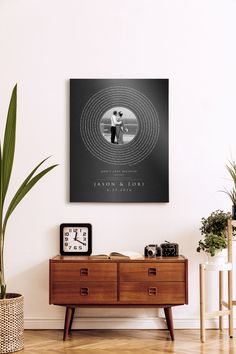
{"x": 219, "y": 258}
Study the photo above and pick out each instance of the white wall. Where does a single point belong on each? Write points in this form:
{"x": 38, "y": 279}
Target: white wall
{"x": 42, "y": 45}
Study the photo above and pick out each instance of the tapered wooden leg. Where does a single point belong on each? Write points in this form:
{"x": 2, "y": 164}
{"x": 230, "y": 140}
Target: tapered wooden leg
{"x": 72, "y": 317}
{"x": 68, "y": 316}
{"x": 169, "y": 321}
{"x": 202, "y": 302}
{"x": 221, "y": 296}
{"x": 230, "y": 303}
{"x": 230, "y": 280}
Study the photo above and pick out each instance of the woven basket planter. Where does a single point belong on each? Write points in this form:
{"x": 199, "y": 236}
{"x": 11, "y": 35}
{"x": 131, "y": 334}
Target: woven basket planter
{"x": 11, "y": 323}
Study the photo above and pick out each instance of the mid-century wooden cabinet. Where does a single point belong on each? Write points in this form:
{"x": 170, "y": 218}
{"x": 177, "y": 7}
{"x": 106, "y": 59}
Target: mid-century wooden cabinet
{"x": 77, "y": 281}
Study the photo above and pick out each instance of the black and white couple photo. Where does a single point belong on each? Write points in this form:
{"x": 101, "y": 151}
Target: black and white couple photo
{"x": 119, "y": 125}
{"x": 118, "y": 128}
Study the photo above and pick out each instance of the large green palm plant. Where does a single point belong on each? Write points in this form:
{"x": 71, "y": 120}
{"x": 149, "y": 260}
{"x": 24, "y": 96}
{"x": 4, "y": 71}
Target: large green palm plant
{"x": 6, "y": 164}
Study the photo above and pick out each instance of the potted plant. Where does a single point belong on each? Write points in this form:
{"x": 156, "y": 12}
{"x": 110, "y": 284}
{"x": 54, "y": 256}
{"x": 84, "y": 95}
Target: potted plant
{"x": 11, "y": 305}
{"x": 215, "y": 239}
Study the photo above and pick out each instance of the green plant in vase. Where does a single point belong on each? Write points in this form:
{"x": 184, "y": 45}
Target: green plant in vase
{"x": 214, "y": 230}
{"x": 212, "y": 244}
{"x": 6, "y": 165}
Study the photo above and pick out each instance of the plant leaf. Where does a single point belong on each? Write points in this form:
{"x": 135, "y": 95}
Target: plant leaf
{"x": 9, "y": 143}
{"x": 231, "y": 168}
{"x": 232, "y": 194}
{"x": 27, "y": 179}
{"x": 24, "y": 189}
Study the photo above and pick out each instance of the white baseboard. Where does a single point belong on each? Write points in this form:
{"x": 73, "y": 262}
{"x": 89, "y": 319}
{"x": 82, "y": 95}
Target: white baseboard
{"x": 120, "y": 323}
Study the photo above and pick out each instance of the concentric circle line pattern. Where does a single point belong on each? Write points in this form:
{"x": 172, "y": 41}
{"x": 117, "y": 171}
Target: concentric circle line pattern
{"x": 94, "y": 130}
{"x": 149, "y": 126}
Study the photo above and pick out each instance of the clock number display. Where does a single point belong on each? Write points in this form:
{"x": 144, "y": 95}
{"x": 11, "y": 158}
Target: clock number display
{"x": 76, "y": 239}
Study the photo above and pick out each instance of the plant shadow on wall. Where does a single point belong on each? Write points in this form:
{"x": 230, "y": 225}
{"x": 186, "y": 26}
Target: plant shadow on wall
{"x": 11, "y": 305}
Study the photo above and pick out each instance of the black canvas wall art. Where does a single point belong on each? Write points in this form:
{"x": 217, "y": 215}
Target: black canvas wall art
{"x": 119, "y": 140}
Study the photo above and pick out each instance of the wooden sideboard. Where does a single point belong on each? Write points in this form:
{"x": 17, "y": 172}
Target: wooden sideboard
{"x": 77, "y": 281}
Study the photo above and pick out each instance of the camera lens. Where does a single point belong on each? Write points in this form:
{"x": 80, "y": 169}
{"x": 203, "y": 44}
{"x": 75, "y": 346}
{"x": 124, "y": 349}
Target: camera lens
{"x": 150, "y": 252}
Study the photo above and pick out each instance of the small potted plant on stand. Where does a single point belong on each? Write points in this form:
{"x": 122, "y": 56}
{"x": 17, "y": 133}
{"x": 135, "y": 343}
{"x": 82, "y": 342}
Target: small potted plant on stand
{"x": 11, "y": 305}
{"x": 215, "y": 238}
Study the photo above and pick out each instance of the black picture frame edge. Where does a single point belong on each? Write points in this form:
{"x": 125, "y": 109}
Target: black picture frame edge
{"x": 94, "y": 200}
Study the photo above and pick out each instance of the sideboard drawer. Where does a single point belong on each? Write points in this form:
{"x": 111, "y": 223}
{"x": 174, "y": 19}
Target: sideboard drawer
{"x": 152, "y": 271}
{"x": 84, "y": 293}
{"x": 152, "y": 292}
{"x": 83, "y": 271}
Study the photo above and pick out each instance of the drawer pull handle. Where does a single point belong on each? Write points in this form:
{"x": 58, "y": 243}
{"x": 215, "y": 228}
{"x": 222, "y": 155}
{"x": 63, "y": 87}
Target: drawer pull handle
{"x": 152, "y": 272}
{"x": 84, "y": 291}
{"x": 152, "y": 291}
{"x": 84, "y": 271}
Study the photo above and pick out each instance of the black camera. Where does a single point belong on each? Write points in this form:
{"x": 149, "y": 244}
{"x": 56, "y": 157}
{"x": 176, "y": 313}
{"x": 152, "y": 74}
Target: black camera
{"x": 169, "y": 249}
{"x": 152, "y": 251}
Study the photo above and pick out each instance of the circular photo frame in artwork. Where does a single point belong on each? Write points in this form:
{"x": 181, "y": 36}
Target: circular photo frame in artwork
{"x": 125, "y": 125}
{"x": 139, "y": 127}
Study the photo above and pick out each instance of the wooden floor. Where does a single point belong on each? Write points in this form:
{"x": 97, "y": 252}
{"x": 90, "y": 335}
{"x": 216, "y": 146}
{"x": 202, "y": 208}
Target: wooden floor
{"x": 128, "y": 342}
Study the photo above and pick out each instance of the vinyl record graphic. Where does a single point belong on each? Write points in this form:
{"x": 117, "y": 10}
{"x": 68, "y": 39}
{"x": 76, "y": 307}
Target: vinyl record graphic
{"x": 123, "y": 97}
